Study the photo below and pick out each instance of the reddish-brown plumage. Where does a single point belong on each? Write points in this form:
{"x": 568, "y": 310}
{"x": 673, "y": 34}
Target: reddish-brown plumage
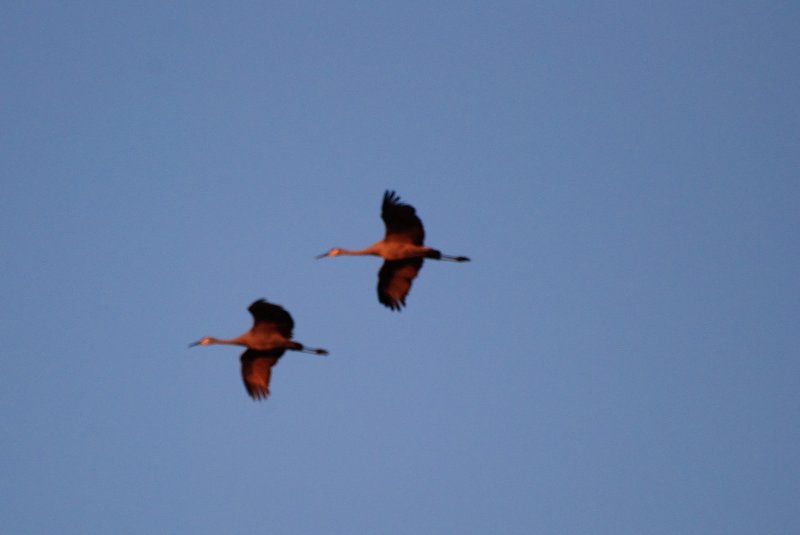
{"x": 402, "y": 249}
{"x": 266, "y": 342}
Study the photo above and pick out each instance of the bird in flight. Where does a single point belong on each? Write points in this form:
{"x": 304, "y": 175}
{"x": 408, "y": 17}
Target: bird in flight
{"x": 266, "y": 342}
{"x": 402, "y": 250}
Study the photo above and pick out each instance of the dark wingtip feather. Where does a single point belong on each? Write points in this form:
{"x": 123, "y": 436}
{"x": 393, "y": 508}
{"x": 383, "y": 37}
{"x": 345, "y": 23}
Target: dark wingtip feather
{"x": 258, "y": 303}
{"x": 259, "y": 395}
{"x": 264, "y": 311}
{"x": 390, "y": 197}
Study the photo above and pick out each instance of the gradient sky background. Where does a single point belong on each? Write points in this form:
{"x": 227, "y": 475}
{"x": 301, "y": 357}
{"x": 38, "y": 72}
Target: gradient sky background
{"x": 621, "y": 356}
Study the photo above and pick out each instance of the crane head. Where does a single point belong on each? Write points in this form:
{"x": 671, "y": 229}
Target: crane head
{"x": 333, "y": 252}
{"x": 202, "y": 342}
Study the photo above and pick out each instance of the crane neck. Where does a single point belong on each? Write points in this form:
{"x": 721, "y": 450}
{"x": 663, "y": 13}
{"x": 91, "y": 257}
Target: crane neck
{"x": 360, "y": 252}
{"x": 226, "y": 341}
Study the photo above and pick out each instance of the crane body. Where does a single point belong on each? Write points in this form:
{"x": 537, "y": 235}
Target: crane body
{"x": 401, "y": 248}
{"x": 266, "y": 342}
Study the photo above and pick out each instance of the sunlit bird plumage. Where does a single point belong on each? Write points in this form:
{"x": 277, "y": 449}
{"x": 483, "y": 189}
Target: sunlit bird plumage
{"x": 402, "y": 249}
{"x": 266, "y": 341}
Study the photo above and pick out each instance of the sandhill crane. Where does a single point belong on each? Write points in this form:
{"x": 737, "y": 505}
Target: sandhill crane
{"x": 266, "y": 342}
{"x": 401, "y": 249}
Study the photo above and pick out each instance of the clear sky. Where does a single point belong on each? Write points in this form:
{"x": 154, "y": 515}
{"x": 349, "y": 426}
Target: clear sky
{"x": 621, "y": 356}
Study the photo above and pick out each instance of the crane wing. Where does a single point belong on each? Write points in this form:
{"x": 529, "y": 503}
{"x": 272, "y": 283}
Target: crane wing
{"x": 267, "y": 316}
{"x": 402, "y": 223}
{"x": 394, "y": 281}
{"x": 256, "y": 371}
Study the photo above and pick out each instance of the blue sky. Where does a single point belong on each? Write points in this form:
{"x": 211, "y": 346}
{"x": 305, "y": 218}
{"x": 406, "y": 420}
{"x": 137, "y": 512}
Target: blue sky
{"x": 621, "y": 356}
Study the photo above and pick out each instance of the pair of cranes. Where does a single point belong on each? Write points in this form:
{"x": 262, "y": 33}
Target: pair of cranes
{"x": 403, "y": 253}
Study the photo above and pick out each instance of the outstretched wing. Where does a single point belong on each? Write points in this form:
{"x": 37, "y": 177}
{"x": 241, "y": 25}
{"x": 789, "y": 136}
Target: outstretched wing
{"x": 256, "y": 371}
{"x": 394, "y": 281}
{"x": 402, "y": 223}
{"x": 267, "y": 316}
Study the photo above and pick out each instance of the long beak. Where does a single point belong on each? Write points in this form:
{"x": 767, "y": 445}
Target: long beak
{"x": 194, "y": 344}
{"x": 323, "y": 255}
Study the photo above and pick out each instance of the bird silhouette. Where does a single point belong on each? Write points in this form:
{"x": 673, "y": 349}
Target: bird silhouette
{"x": 266, "y": 342}
{"x": 402, "y": 250}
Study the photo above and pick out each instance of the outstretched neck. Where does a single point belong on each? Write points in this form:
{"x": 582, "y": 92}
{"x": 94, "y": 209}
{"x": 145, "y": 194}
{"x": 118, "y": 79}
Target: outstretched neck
{"x": 360, "y": 252}
{"x": 223, "y": 341}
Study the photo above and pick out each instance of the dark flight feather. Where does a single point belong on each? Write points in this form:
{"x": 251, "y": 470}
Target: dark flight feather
{"x": 394, "y": 281}
{"x": 402, "y": 223}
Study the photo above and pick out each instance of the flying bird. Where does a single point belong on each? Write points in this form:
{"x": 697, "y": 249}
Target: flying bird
{"x": 402, "y": 250}
{"x": 266, "y": 342}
